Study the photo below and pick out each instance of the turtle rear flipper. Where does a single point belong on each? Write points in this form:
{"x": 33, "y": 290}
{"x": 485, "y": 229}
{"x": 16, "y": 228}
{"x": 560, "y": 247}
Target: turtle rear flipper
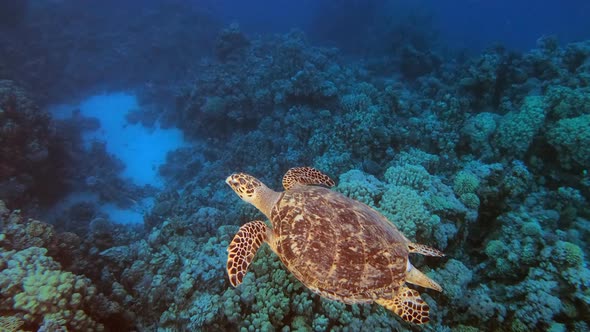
{"x": 243, "y": 247}
{"x": 417, "y": 248}
{"x": 407, "y": 304}
{"x": 416, "y": 277}
{"x": 306, "y": 176}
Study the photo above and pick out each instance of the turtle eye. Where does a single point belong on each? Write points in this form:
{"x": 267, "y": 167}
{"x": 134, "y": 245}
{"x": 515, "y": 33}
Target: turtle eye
{"x": 232, "y": 182}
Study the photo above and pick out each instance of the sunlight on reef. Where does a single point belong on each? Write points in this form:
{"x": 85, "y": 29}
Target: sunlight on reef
{"x": 141, "y": 149}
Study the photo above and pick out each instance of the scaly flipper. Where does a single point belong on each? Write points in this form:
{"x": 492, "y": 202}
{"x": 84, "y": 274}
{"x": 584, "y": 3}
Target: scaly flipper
{"x": 417, "y": 248}
{"x": 407, "y": 304}
{"x": 242, "y": 249}
{"x": 305, "y": 176}
{"x": 415, "y": 277}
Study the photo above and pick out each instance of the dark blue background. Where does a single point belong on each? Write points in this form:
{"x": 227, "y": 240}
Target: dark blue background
{"x": 471, "y": 24}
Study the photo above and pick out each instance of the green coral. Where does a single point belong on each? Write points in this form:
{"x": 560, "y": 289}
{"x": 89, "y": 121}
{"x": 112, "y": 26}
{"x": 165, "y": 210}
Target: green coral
{"x": 532, "y": 229}
{"x": 465, "y": 182}
{"x": 10, "y": 323}
{"x": 455, "y": 277}
{"x": 478, "y": 130}
{"x": 541, "y": 303}
{"x": 495, "y": 249}
{"x": 332, "y": 161}
{"x": 567, "y": 254}
{"x": 503, "y": 257}
{"x": 413, "y": 176}
{"x": 516, "y": 130}
{"x": 571, "y": 138}
{"x": 465, "y": 328}
{"x": 556, "y": 327}
{"x": 470, "y": 200}
{"x": 566, "y": 102}
{"x": 360, "y": 186}
{"x": 404, "y": 207}
{"x": 33, "y": 285}
{"x": 355, "y": 102}
{"x": 266, "y": 296}
{"x": 465, "y": 186}
{"x": 415, "y": 156}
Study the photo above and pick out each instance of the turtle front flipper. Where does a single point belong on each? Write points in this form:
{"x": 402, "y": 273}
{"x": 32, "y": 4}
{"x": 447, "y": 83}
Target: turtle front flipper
{"x": 243, "y": 247}
{"x": 407, "y": 304}
{"x": 306, "y": 176}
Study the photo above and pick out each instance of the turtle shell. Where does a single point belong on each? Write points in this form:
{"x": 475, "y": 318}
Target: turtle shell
{"x": 339, "y": 248}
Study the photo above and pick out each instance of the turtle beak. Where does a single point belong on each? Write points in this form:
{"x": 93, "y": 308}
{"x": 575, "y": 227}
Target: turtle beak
{"x": 231, "y": 181}
{"x": 234, "y": 185}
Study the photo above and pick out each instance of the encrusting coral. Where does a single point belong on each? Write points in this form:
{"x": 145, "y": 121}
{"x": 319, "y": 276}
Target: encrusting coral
{"x": 35, "y": 290}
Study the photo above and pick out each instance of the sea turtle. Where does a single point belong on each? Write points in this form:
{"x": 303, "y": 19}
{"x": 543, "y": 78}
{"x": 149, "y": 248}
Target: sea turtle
{"x": 337, "y": 247}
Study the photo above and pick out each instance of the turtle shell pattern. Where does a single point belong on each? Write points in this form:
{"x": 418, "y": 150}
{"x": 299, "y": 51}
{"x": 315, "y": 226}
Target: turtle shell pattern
{"x": 339, "y": 248}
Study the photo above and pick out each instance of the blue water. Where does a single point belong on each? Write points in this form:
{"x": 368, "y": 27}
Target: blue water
{"x": 465, "y": 124}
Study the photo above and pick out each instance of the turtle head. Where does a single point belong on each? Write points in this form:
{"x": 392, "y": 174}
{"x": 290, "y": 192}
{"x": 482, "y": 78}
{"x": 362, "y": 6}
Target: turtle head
{"x": 253, "y": 191}
{"x": 246, "y": 186}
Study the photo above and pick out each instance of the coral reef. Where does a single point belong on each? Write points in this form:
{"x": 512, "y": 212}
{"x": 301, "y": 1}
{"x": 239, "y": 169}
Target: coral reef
{"x": 27, "y": 146}
{"x": 486, "y": 159}
{"x": 471, "y": 184}
{"x": 571, "y": 138}
{"x": 37, "y": 292}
